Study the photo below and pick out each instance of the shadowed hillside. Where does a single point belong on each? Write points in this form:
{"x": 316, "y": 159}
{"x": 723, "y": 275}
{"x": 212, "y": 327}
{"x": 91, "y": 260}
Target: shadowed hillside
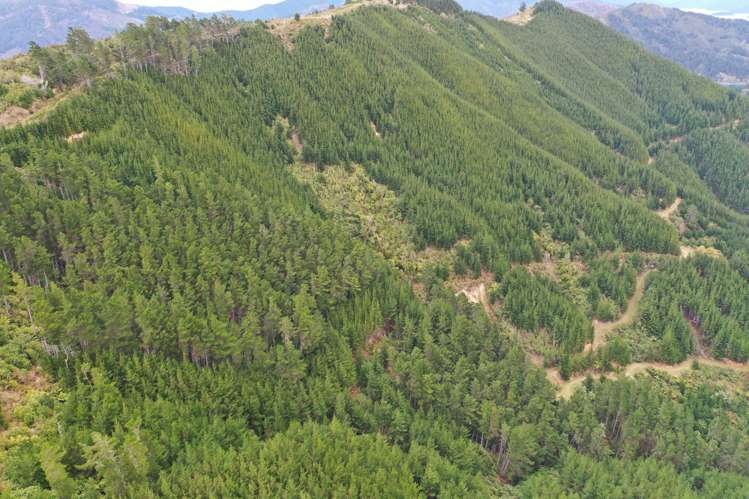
{"x": 388, "y": 250}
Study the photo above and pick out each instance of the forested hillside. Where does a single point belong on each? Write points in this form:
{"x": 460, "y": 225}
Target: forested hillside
{"x": 353, "y": 254}
{"x": 708, "y": 45}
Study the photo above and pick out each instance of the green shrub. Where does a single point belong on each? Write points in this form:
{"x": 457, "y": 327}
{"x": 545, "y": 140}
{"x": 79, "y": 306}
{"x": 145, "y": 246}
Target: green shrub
{"x": 23, "y": 96}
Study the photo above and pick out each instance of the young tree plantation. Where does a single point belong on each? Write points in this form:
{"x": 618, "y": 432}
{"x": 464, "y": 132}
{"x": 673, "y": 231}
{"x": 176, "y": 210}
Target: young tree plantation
{"x": 390, "y": 250}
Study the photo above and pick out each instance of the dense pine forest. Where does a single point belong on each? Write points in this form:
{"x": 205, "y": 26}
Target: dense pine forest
{"x": 390, "y": 250}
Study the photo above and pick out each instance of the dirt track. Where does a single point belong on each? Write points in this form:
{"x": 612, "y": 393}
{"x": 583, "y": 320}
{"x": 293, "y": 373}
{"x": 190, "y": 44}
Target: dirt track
{"x": 666, "y": 213}
{"x": 567, "y": 388}
{"x": 601, "y": 329}
{"x": 478, "y": 295}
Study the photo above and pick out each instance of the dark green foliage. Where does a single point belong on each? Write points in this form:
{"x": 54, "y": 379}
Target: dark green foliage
{"x": 324, "y": 461}
{"x": 215, "y": 331}
{"x": 640, "y": 90}
{"x": 707, "y": 292}
{"x": 533, "y": 302}
{"x": 704, "y": 215}
{"x": 635, "y": 419}
{"x": 610, "y": 284}
{"x": 722, "y": 161}
{"x": 583, "y": 476}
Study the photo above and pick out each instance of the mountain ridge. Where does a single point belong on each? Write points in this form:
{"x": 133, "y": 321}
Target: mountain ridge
{"x": 714, "y": 47}
{"x": 389, "y": 250}
{"x": 46, "y": 22}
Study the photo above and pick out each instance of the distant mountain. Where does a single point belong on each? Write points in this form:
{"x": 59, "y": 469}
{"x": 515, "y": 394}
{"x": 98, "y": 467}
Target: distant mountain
{"x": 713, "y": 47}
{"x": 47, "y": 21}
{"x": 287, "y": 8}
{"x": 504, "y": 8}
{"x": 711, "y": 5}
{"x": 592, "y": 9}
{"x": 142, "y": 11}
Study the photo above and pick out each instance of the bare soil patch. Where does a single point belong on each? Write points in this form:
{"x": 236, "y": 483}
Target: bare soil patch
{"x": 296, "y": 141}
{"x": 375, "y": 340}
{"x": 374, "y": 129}
{"x": 475, "y": 291}
{"x": 75, "y": 137}
{"x": 666, "y": 213}
{"x": 13, "y": 115}
{"x": 567, "y": 388}
{"x": 287, "y": 28}
{"x": 601, "y": 329}
{"x": 26, "y": 381}
{"x": 521, "y": 18}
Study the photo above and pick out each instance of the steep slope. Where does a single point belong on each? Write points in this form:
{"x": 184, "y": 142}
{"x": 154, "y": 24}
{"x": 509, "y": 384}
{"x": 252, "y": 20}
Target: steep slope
{"x": 729, "y": 9}
{"x": 201, "y": 250}
{"x": 710, "y": 46}
{"x": 46, "y": 22}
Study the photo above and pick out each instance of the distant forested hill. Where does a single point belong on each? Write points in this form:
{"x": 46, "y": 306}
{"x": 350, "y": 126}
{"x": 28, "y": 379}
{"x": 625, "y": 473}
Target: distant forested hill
{"x": 504, "y": 8}
{"x": 394, "y": 250}
{"x": 713, "y": 47}
{"x": 46, "y": 22}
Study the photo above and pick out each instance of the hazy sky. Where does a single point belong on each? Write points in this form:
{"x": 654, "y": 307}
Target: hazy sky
{"x": 205, "y": 5}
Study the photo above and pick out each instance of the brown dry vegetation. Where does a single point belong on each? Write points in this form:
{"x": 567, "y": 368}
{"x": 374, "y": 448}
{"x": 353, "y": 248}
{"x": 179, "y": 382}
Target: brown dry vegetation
{"x": 521, "y": 18}
{"x": 14, "y": 115}
{"x": 25, "y": 383}
{"x": 287, "y": 28}
{"x": 666, "y": 213}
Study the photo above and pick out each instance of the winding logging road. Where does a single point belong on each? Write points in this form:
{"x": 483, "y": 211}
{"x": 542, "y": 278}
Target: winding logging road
{"x": 603, "y": 329}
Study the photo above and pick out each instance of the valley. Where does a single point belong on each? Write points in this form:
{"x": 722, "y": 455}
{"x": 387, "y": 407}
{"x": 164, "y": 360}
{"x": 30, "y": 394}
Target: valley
{"x": 390, "y": 249}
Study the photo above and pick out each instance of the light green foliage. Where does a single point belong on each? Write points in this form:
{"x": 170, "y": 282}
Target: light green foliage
{"x": 642, "y": 346}
{"x": 20, "y": 95}
{"x": 533, "y": 302}
{"x": 214, "y": 325}
{"x": 610, "y": 283}
{"x": 368, "y": 209}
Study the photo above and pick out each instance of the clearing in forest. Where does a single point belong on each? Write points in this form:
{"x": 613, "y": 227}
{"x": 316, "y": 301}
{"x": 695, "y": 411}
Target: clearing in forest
{"x": 368, "y": 209}
{"x": 287, "y": 28}
{"x": 567, "y": 388}
{"x": 601, "y": 329}
{"x": 521, "y": 18}
{"x": 666, "y": 213}
{"x": 24, "y": 384}
{"x": 39, "y": 109}
{"x": 475, "y": 292}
